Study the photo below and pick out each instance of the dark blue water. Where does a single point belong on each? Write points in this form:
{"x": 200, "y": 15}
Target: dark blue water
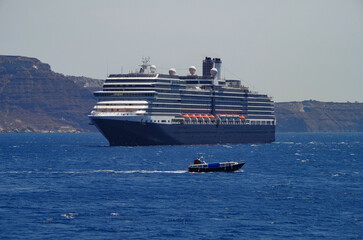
{"x": 73, "y": 186}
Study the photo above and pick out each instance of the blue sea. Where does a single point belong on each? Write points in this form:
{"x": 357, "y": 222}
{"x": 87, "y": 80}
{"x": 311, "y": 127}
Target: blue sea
{"x": 74, "y": 186}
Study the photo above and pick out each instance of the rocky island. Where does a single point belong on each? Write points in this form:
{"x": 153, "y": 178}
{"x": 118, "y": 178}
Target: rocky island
{"x": 315, "y": 116}
{"x": 33, "y": 98}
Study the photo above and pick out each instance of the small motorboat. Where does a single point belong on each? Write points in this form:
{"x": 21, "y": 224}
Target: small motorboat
{"x": 200, "y": 165}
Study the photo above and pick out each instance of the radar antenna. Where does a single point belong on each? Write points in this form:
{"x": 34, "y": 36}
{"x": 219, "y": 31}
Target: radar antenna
{"x": 145, "y": 64}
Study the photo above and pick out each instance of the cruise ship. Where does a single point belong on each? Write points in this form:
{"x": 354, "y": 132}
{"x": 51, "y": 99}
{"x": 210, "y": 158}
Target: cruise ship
{"x": 150, "y": 108}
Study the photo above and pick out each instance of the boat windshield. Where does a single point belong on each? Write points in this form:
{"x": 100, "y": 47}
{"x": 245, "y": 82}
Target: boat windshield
{"x": 199, "y": 161}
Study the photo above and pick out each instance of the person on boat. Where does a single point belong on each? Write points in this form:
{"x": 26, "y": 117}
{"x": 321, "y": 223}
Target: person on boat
{"x": 199, "y": 161}
{"x": 196, "y": 161}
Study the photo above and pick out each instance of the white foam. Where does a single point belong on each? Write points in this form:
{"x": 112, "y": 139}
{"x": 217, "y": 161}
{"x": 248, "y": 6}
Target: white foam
{"x": 154, "y": 171}
{"x": 227, "y": 146}
{"x": 94, "y": 171}
{"x": 69, "y": 215}
{"x": 138, "y": 171}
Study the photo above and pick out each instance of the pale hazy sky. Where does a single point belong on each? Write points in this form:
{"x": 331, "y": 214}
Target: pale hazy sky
{"x": 290, "y": 49}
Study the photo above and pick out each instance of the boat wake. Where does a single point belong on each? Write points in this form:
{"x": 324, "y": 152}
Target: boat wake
{"x": 94, "y": 171}
{"x": 141, "y": 171}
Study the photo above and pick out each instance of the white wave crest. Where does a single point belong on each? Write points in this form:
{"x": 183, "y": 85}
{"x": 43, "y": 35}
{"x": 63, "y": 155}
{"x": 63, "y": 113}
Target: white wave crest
{"x": 70, "y": 215}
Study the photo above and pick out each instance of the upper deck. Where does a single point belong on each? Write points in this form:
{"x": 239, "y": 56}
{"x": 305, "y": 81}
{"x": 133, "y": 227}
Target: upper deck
{"x": 172, "y": 94}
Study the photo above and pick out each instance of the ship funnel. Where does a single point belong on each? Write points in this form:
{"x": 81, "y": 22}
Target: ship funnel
{"x": 207, "y": 66}
{"x": 218, "y": 66}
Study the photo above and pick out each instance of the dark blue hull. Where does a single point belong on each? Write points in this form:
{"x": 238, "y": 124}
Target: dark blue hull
{"x": 128, "y": 133}
{"x": 229, "y": 168}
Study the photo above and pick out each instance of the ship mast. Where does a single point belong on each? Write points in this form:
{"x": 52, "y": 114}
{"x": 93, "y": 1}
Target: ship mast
{"x": 145, "y": 64}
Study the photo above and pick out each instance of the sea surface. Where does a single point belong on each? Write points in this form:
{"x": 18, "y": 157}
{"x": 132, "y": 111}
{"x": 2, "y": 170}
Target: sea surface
{"x": 74, "y": 186}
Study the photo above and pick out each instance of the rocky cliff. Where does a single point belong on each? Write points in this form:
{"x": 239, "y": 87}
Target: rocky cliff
{"x": 314, "y": 116}
{"x": 33, "y": 98}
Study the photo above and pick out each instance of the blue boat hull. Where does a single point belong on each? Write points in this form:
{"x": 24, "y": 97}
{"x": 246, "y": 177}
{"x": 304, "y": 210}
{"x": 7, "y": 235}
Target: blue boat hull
{"x": 128, "y": 133}
{"x": 216, "y": 168}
